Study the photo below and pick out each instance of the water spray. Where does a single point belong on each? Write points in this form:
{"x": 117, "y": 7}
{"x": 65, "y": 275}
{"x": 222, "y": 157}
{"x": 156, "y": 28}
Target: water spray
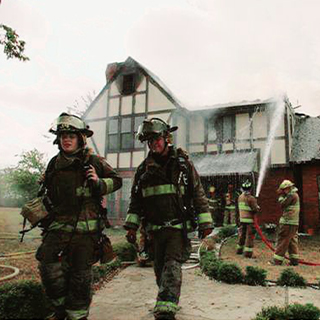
{"x": 277, "y": 116}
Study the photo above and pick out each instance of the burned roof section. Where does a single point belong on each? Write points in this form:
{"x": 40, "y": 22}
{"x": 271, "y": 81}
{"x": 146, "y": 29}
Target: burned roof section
{"x": 225, "y": 163}
{"x": 306, "y": 139}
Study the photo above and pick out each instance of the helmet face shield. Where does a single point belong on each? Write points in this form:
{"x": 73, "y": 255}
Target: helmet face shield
{"x": 70, "y": 123}
{"x": 151, "y": 129}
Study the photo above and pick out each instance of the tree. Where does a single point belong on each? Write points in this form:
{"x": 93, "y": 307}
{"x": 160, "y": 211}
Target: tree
{"x": 13, "y": 47}
{"x": 22, "y": 182}
{"x": 79, "y": 108}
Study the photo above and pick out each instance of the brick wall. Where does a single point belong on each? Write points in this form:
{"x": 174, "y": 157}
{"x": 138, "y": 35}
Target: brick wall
{"x": 310, "y": 196}
{"x": 268, "y": 198}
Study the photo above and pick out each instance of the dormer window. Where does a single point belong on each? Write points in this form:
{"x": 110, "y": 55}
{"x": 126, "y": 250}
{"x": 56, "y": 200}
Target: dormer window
{"x": 128, "y": 84}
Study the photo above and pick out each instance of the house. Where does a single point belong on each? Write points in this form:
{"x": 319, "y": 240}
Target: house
{"x": 228, "y": 143}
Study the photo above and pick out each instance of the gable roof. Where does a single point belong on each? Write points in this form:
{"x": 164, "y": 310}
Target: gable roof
{"x": 306, "y": 139}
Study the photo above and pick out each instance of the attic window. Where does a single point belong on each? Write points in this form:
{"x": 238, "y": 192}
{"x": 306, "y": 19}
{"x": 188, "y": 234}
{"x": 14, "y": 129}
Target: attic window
{"x": 128, "y": 84}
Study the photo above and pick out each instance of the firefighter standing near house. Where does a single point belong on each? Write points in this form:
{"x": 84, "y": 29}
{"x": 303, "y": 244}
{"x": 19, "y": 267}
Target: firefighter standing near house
{"x": 214, "y": 205}
{"x": 248, "y": 207}
{"x": 230, "y": 210}
{"x": 288, "y": 224}
{"x": 75, "y": 181}
{"x": 166, "y": 186}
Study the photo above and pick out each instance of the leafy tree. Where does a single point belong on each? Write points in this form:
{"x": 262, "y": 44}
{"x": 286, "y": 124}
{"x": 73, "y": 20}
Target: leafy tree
{"x": 23, "y": 180}
{"x": 13, "y": 47}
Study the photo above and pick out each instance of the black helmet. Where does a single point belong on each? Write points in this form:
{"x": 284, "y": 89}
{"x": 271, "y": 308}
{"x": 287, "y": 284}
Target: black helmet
{"x": 70, "y": 123}
{"x": 246, "y": 185}
{"x": 152, "y": 128}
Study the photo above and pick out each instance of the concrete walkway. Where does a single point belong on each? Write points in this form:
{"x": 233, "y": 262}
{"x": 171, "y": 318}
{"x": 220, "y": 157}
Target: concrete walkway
{"x": 131, "y": 296}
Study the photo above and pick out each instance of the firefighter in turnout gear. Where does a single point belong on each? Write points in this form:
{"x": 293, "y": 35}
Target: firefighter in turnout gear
{"x": 230, "y": 210}
{"x": 75, "y": 181}
{"x": 168, "y": 194}
{"x": 248, "y": 207}
{"x": 288, "y": 224}
{"x": 214, "y": 205}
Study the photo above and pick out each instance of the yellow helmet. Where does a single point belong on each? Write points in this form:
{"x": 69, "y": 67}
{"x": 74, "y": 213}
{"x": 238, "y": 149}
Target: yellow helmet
{"x": 286, "y": 184}
{"x": 212, "y": 189}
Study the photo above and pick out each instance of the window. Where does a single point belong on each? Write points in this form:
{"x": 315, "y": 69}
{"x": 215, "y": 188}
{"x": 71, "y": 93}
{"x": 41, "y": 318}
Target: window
{"x": 137, "y": 122}
{"x": 212, "y": 131}
{"x": 126, "y": 133}
{"x": 227, "y": 133}
{"x": 128, "y": 84}
{"x": 125, "y": 138}
{"x": 113, "y": 134}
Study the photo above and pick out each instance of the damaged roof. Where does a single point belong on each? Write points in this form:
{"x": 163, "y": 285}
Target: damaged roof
{"x": 225, "y": 163}
{"x": 306, "y": 139}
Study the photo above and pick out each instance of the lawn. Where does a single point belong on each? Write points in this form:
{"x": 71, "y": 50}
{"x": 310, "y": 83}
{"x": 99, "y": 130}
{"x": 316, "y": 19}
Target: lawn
{"x": 309, "y": 250}
{"x": 23, "y": 254}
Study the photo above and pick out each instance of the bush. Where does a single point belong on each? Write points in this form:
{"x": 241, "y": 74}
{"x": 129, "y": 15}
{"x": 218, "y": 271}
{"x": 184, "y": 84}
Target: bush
{"x": 226, "y": 232}
{"x": 293, "y": 312}
{"x": 255, "y": 276}
{"x": 103, "y": 270}
{"x": 23, "y": 300}
{"x": 290, "y": 278}
{"x": 230, "y": 273}
{"x": 125, "y": 251}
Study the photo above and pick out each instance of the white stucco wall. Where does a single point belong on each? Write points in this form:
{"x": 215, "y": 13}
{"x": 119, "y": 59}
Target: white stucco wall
{"x": 114, "y": 104}
{"x": 140, "y": 103}
{"x": 99, "y": 129}
{"x": 99, "y": 109}
{"x": 157, "y": 100}
{"x": 278, "y": 155}
{"x": 124, "y": 159}
{"x": 112, "y": 159}
{"x": 259, "y": 125}
{"x": 242, "y": 126}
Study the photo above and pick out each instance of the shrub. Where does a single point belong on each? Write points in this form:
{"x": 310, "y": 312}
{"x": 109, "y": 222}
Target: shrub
{"x": 103, "y": 270}
{"x": 125, "y": 251}
{"x": 209, "y": 264}
{"x": 255, "y": 276}
{"x": 226, "y": 232}
{"x": 290, "y": 278}
{"x": 293, "y": 312}
{"x": 23, "y": 300}
{"x": 230, "y": 273}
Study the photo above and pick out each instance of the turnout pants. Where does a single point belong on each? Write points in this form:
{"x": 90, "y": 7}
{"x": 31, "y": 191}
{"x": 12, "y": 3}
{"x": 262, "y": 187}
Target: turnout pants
{"x": 287, "y": 241}
{"x": 229, "y": 217}
{"x": 246, "y": 239}
{"x": 170, "y": 251}
{"x": 67, "y": 279}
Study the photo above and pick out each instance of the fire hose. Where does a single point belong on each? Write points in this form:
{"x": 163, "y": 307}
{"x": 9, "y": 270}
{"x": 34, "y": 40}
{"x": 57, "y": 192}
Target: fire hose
{"x": 269, "y": 245}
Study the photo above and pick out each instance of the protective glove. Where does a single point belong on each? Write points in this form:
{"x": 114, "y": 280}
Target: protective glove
{"x": 131, "y": 236}
{"x": 204, "y": 233}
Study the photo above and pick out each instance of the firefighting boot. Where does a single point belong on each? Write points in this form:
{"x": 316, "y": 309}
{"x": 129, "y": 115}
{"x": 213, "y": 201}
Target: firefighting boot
{"x": 294, "y": 262}
{"x": 164, "y": 316}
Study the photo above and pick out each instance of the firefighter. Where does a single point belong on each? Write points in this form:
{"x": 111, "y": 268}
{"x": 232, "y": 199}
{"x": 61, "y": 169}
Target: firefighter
{"x": 230, "y": 210}
{"x": 248, "y": 207}
{"x": 288, "y": 224}
{"x": 165, "y": 186}
{"x": 214, "y": 205}
{"x": 75, "y": 181}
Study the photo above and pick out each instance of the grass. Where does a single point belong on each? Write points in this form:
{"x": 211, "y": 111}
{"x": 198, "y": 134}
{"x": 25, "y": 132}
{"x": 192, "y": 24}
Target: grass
{"x": 309, "y": 250}
{"x": 10, "y": 225}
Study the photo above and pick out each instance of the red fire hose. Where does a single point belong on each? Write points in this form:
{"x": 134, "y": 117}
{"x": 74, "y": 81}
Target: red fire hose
{"x": 268, "y": 244}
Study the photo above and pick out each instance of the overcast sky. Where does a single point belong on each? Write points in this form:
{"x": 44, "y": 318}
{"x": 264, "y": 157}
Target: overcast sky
{"x": 206, "y": 51}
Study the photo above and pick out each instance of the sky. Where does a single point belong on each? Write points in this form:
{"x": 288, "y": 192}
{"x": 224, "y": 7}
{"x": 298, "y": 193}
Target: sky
{"x": 206, "y": 51}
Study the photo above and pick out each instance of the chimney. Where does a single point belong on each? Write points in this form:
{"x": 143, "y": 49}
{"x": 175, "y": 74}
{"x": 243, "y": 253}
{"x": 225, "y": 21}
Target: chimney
{"x": 111, "y": 70}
